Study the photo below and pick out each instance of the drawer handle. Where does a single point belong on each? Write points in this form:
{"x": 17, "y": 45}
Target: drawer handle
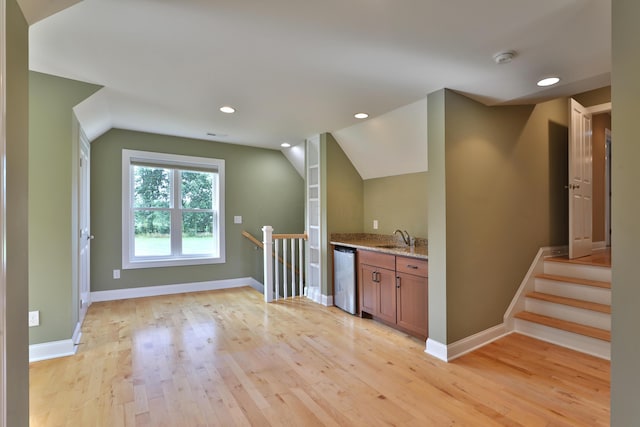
{"x": 415, "y": 267}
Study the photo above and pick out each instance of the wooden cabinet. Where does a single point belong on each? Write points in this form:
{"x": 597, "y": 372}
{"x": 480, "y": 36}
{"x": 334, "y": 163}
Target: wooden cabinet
{"x": 377, "y": 285}
{"x": 412, "y": 295}
{"x": 369, "y": 291}
{"x": 394, "y": 290}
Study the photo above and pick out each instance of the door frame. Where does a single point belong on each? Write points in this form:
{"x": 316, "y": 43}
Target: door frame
{"x": 3, "y": 219}
{"x": 84, "y": 192}
{"x": 601, "y": 109}
{"x": 607, "y": 187}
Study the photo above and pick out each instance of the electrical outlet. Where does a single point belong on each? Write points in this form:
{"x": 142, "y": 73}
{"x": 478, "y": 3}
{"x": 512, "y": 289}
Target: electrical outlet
{"x": 375, "y": 224}
{"x": 116, "y": 274}
{"x": 237, "y": 219}
{"x": 34, "y": 318}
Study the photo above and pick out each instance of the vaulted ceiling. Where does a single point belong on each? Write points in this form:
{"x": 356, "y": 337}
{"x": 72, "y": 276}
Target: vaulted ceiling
{"x": 293, "y": 69}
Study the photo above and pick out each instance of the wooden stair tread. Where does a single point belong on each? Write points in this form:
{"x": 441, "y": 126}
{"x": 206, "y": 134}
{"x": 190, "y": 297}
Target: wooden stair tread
{"x": 565, "y": 325}
{"x": 575, "y": 280}
{"x": 587, "y": 305}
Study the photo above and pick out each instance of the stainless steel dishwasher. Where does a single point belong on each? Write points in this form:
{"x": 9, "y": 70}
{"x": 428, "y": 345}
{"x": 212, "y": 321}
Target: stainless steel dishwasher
{"x": 344, "y": 278}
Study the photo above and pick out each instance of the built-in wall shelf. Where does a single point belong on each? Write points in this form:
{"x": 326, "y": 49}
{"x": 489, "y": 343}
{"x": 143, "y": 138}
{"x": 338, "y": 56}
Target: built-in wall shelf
{"x": 313, "y": 218}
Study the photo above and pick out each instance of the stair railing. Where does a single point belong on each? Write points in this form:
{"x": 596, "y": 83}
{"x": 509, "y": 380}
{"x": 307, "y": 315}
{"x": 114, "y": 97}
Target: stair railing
{"x": 292, "y": 248}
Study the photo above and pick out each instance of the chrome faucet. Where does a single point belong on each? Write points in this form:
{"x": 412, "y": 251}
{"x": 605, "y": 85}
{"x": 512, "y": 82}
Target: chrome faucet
{"x": 405, "y": 236}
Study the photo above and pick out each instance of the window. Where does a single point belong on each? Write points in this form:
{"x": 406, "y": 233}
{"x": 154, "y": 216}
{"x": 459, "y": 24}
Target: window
{"x": 172, "y": 210}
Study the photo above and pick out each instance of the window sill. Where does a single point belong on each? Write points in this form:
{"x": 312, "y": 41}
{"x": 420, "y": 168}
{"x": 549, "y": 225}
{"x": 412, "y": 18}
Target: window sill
{"x": 181, "y": 262}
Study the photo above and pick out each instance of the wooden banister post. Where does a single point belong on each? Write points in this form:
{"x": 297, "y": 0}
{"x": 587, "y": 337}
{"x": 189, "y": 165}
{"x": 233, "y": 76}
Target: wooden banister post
{"x": 267, "y": 241}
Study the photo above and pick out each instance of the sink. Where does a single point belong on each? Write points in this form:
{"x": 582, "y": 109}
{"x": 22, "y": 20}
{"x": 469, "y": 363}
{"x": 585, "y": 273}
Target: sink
{"x": 390, "y": 246}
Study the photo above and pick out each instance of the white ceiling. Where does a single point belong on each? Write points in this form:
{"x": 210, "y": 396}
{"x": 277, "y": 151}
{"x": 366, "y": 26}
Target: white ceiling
{"x": 293, "y": 69}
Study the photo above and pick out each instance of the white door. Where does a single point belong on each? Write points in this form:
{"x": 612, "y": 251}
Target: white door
{"x": 580, "y": 181}
{"x": 85, "y": 234}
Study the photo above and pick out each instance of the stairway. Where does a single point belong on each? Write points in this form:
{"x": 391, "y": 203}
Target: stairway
{"x": 570, "y": 305}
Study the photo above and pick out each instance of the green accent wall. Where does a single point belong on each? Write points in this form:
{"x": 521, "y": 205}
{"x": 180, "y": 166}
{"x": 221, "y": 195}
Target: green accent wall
{"x": 52, "y": 163}
{"x": 397, "y": 202}
{"x": 625, "y": 342}
{"x": 345, "y": 200}
{"x": 261, "y": 186}
{"x": 17, "y": 260}
{"x": 437, "y": 217}
{"x": 504, "y": 198}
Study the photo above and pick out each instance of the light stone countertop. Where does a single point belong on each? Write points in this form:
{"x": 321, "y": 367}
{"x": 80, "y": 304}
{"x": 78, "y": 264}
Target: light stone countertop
{"x": 381, "y": 243}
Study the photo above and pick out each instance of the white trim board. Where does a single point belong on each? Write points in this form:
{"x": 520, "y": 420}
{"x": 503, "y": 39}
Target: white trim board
{"x": 152, "y": 291}
{"x": 51, "y": 350}
{"x": 454, "y": 350}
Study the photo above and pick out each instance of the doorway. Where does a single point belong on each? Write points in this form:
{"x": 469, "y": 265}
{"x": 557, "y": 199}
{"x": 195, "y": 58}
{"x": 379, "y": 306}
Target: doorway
{"x": 85, "y": 237}
{"x": 589, "y": 222}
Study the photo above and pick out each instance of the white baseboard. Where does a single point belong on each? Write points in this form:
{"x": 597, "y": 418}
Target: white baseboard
{"x": 151, "y": 291}
{"x": 454, "y": 350}
{"x": 51, "y": 350}
{"x": 77, "y": 334}
{"x": 327, "y": 300}
{"x": 436, "y": 349}
{"x": 314, "y": 294}
{"x": 475, "y": 341}
{"x": 598, "y": 246}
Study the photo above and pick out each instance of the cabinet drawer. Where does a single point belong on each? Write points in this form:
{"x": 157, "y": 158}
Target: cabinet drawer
{"x": 415, "y": 266}
{"x": 377, "y": 259}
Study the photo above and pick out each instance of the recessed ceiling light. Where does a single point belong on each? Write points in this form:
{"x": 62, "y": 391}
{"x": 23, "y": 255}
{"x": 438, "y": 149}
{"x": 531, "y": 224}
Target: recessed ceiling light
{"x": 227, "y": 109}
{"x": 285, "y": 145}
{"x": 361, "y": 115}
{"x": 549, "y": 81}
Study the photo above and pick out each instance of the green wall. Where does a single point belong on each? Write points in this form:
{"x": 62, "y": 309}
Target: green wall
{"x": 344, "y": 195}
{"x": 504, "y": 178}
{"x": 261, "y": 186}
{"x": 17, "y": 271}
{"x": 437, "y": 217}
{"x": 397, "y": 202}
{"x": 51, "y": 192}
{"x": 625, "y": 351}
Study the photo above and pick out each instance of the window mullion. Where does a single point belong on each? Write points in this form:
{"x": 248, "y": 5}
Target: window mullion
{"x": 176, "y": 215}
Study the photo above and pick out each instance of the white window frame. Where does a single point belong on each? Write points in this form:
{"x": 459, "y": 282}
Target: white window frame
{"x": 129, "y": 261}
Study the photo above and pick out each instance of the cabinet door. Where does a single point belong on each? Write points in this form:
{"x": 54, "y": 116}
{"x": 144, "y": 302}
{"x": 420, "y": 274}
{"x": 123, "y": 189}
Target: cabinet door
{"x": 387, "y": 298}
{"x": 412, "y": 292}
{"x": 368, "y": 290}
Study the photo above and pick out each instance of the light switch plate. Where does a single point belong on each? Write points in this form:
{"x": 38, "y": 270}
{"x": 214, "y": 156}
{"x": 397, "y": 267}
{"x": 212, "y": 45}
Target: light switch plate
{"x": 34, "y": 318}
{"x": 375, "y": 224}
{"x": 237, "y": 219}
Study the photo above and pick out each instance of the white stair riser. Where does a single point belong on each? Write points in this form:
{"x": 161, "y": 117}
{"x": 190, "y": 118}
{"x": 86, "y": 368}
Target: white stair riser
{"x": 570, "y": 290}
{"x": 569, "y": 313}
{"x": 590, "y": 272}
{"x": 562, "y": 338}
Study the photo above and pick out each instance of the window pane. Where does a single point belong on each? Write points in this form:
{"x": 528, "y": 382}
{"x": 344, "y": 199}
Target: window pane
{"x": 197, "y": 189}
{"x": 199, "y": 233}
{"x": 152, "y": 233}
{"x": 152, "y": 187}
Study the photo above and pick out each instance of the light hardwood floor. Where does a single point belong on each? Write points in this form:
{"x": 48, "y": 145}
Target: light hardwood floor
{"x": 226, "y": 358}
